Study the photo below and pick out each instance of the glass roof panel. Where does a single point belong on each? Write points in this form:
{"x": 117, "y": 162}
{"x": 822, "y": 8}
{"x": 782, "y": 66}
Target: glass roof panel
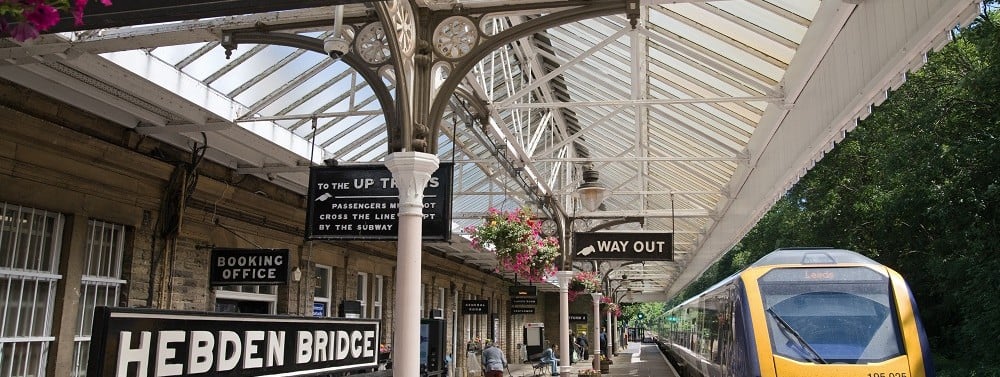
{"x": 175, "y": 54}
{"x": 725, "y": 50}
{"x": 773, "y": 22}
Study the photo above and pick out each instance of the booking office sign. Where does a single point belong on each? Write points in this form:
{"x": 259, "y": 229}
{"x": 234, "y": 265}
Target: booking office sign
{"x": 633, "y": 246}
{"x": 157, "y": 343}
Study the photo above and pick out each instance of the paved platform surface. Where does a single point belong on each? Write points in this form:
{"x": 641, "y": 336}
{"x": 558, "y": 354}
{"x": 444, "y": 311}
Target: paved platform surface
{"x": 637, "y": 360}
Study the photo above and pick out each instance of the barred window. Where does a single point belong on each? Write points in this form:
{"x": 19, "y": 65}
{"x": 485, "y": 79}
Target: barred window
{"x": 29, "y": 256}
{"x": 362, "y": 292}
{"x": 377, "y": 297}
{"x": 100, "y": 284}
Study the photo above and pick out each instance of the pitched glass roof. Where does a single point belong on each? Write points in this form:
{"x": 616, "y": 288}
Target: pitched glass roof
{"x": 669, "y": 112}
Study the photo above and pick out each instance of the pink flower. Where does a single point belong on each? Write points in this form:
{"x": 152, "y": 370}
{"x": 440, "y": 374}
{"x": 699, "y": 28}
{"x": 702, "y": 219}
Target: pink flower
{"x": 23, "y": 31}
{"x": 42, "y": 15}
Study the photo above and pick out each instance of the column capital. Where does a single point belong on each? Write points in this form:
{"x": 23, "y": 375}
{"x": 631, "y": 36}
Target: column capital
{"x": 411, "y": 171}
{"x": 564, "y": 278}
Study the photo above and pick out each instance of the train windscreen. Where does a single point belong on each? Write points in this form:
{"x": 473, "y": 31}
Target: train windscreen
{"x": 830, "y": 315}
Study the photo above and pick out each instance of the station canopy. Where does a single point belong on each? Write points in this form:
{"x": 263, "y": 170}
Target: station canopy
{"x": 697, "y": 115}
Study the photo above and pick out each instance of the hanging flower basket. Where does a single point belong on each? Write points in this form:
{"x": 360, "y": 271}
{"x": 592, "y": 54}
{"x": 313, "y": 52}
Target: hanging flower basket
{"x": 25, "y": 19}
{"x": 516, "y": 240}
{"x": 608, "y": 306}
{"x": 583, "y": 282}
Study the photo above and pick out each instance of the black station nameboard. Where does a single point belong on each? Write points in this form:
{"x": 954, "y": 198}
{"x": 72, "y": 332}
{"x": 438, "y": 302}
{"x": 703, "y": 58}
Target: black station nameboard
{"x": 146, "y": 342}
{"x": 634, "y": 246}
{"x": 360, "y": 202}
{"x": 248, "y": 266}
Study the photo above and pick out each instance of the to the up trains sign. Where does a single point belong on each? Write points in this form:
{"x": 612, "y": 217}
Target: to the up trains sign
{"x": 360, "y": 202}
{"x": 147, "y": 343}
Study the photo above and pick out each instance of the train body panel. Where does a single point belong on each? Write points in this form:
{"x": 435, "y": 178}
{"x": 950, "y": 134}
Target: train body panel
{"x": 816, "y": 312}
{"x": 896, "y": 367}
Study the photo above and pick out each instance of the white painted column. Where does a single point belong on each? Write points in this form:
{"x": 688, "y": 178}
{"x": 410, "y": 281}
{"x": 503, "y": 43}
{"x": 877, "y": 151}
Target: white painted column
{"x": 565, "y": 362}
{"x": 411, "y": 171}
{"x": 595, "y": 346}
{"x": 613, "y": 340}
{"x": 610, "y": 336}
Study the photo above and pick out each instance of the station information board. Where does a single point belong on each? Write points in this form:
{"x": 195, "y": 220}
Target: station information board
{"x": 361, "y": 202}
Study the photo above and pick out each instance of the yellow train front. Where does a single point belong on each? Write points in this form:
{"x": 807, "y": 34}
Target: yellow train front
{"x": 800, "y": 313}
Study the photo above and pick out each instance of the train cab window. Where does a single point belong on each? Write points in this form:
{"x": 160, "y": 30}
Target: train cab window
{"x": 831, "y": 315}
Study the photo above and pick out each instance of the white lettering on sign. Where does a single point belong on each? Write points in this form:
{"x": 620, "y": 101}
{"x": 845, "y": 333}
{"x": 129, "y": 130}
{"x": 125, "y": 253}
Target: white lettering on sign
{"x": 251, "y": 261}
{"x": 225, "y": 349}
{"x": 317, "y": 346}
{"x": 631, "y": 247}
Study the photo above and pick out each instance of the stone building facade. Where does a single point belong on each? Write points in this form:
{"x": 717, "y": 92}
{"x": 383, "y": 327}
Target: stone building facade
{"x": 95, "y": 214}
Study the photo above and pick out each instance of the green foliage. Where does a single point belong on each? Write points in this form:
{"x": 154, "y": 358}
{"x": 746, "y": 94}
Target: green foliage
{"x": 917, "y": 187}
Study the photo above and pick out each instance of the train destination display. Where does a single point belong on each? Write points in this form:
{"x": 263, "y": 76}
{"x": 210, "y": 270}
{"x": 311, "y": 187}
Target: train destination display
{"x": 362, "y": 202}
{"x": 147, "y": 342}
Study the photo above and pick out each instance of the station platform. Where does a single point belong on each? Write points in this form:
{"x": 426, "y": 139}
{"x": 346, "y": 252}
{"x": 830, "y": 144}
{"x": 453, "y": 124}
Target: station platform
{"x": 638, "y": 359}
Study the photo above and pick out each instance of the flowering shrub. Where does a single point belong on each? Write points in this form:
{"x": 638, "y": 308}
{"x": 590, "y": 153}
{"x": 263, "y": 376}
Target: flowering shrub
{"x": 516, "y": 239}
{"x": 583, "y": 282}
{"x": 33, "y": 16}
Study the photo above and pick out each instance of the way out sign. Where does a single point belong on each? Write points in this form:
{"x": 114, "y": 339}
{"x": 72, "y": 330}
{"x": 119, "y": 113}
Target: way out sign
{"x": 623, "y": 246}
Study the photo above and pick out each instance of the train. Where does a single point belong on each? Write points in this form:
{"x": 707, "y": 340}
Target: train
{"x": 800, "y": 312}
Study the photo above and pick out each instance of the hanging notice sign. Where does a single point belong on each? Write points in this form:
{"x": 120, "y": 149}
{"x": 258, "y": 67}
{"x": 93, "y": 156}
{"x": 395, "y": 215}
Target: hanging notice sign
{"x": 361, "y": 202}
{"x": 475, "y": 307}
{"x": 248, "y": 266}
{"x": 145, "y": 343}
{"x": 634, "y": 246}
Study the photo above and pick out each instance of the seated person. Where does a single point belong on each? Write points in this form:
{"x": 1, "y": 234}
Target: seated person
{"x": 549, "y": 356}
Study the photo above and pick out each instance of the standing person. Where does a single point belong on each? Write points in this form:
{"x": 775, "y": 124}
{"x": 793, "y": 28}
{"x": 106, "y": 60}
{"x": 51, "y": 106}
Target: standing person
{"x": 581, "y": 341}
{"x": 549, "y": 356}
{"x": 494, "y": 361}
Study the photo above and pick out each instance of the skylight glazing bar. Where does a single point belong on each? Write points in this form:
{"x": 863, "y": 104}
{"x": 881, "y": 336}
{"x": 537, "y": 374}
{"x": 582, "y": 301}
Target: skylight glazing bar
{"x": 562, "y": 68}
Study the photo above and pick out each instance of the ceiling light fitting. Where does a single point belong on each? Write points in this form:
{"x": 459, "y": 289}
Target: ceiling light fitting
{"x": 590, "y": 192}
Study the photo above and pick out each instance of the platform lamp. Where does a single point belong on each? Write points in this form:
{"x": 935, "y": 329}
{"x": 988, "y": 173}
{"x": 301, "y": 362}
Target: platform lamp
{"x": 591, "y": 192}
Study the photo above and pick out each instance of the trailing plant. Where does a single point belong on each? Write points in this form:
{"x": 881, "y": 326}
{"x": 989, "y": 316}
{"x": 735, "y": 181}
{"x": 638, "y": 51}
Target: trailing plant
{"x": 517, "y": 241}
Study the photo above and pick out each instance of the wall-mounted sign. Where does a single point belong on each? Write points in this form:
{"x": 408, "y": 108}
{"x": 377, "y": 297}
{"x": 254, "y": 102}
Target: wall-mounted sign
{"x": 522, "y": 310}
{"x": 522, "y": 290}
{"x": 633, "y": 246}
{"x": 361, "y": 202}
{"x": 577, "y": 317}
{"x": 319, "y": 309}
{"x": 475, "y": 307}
{"x": 144, "y": 343}
{"x": 248, "y": 266}
{"x": 524, "y": 301}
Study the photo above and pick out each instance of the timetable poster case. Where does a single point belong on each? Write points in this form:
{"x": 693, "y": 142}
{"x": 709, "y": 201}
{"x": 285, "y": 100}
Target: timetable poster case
{"x": 148, "y": 342}
{"x": 361, "y": 202}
